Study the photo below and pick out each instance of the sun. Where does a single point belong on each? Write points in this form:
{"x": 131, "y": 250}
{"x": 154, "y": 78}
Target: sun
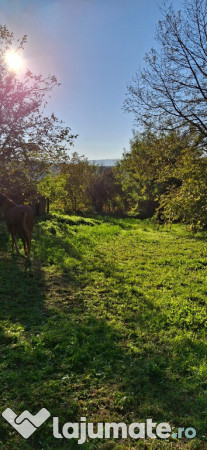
{"x": 13, "y": 60}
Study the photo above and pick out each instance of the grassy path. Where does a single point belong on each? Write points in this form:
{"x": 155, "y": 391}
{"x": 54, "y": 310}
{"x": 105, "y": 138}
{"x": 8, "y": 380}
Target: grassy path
{"x": 109, "y": 322}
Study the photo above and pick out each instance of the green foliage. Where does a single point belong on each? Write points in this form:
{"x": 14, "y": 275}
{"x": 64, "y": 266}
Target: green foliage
{"x": 76, "y": 173}
{"x": 166, "y": 176}
{"x": 109, "y": 322}
{"x": 104, "y": 190}
{"x": 188, "y": 202}
{"x": 80, "y": 186}
{"x": 52, "y": 186}
{"x": 146, "y": 170}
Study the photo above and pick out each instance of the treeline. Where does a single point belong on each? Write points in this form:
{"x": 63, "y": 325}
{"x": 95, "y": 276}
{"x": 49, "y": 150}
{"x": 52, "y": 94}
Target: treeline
{"x": 78, "y": 186}
{"x": 161, "y": 176}
{"x": 164, "y": 177}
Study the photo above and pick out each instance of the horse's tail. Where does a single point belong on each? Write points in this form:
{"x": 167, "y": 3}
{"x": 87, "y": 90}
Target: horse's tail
{"x": 24, "y": 223}
{"x": 28, "y": 222}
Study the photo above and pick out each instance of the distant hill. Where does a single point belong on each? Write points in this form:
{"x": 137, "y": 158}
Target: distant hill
{"x": 103, "y": 162}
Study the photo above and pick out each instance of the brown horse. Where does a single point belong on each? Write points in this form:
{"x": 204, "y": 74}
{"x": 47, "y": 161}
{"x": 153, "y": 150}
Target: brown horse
{"x": 19, "y": 220}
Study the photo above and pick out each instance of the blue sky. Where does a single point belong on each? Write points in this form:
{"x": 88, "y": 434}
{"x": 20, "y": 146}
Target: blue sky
{"x": 94, "y": 47}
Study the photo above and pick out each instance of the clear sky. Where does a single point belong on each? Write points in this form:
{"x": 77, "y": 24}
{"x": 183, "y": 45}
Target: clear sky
{"x": 94, "y": 47}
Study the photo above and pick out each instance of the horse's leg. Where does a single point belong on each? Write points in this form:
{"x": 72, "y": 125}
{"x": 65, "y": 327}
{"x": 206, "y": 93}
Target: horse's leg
{"x": 12, "y": 243}
{"x": 23, "y": 237}
{"x": 26, "y": 242}
{"x": 16, "y": 245}
{"x": 28, "y": 239}
{"x": 25, "y": 246}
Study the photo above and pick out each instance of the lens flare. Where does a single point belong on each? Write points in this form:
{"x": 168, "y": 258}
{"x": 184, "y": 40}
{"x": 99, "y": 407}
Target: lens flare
{"x": 13, "y": 60}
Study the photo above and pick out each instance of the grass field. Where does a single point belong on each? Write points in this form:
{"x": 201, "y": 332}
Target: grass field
{"x": 108, "y": 322}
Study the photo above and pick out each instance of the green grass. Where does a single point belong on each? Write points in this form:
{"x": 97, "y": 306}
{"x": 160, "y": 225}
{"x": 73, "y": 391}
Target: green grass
{"x": 108, "y": 322}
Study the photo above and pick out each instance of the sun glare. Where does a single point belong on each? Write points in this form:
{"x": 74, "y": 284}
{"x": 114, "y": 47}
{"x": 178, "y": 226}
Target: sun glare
{"x": 13, "y": 60}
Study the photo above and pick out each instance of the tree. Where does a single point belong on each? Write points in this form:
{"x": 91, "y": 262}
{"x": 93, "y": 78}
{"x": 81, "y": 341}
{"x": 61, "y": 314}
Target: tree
{"x": 52, "y": 186}
{"x": 187, "y": 201}
{"x": 171, "y": 91}
{"x": 77, "y": 173}
{"x": 80, "y": 186}
{"x": 150, "y": 169}
{"x": 104, "y": 190}
{"x": 27, "y": 135}
{"x": 139, "y": 169}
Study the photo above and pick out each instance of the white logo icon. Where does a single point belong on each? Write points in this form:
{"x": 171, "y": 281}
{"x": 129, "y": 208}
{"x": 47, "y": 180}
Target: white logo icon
{"x": 26, "y": 424}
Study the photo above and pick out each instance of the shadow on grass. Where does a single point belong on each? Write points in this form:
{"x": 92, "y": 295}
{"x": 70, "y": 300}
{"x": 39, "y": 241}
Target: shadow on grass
{"x": 52, "y": 249}
{"x": 21, "y": 290}
{"x": 60, "y": 355}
